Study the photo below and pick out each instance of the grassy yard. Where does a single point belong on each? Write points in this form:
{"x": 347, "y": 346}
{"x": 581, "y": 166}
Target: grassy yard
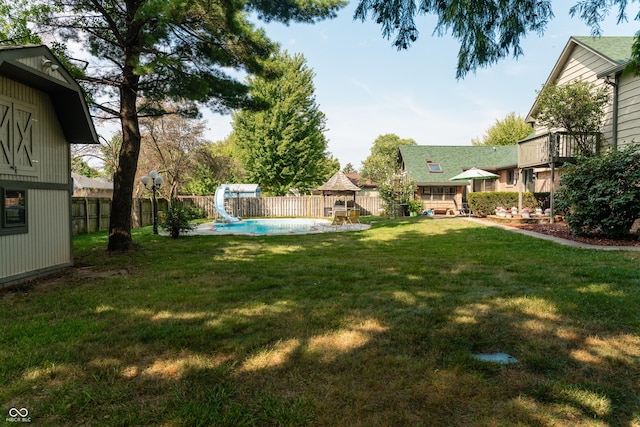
{"x": 372, "y": 328}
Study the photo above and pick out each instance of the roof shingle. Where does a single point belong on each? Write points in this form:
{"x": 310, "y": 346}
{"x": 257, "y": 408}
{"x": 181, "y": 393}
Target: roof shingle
{"x": 454, "y": 160}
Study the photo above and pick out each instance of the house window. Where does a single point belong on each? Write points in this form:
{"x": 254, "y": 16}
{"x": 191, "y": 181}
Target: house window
{"x": 512, "y": 177}
{"x": 14, "y": 211}
{"x": 484, "y": 185}
{"x": 437, "y": 194}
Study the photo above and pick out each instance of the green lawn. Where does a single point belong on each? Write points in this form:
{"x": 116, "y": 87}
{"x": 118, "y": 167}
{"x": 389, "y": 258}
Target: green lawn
{"x": 371, "y": 328}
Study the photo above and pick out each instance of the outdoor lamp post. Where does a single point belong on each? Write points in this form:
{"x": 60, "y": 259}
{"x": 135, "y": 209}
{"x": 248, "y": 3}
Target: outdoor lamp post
{"x": 153, "y": 183}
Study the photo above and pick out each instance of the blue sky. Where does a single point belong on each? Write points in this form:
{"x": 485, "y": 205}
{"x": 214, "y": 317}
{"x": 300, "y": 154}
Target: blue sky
{"x": 367, "y": 88}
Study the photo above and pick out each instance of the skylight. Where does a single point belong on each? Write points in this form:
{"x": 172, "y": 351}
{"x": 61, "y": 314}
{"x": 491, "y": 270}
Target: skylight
{"x": 434, "y": 167}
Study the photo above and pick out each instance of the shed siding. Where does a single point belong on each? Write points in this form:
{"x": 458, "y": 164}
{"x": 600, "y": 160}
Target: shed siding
{"x": 36, "y": 63}
{"x": 47, "y": 245}
{"x": 52, "y": 150}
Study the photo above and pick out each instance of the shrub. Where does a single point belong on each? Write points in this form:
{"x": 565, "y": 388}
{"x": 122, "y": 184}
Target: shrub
{"x": 485, "y": 203}
{"x": 177, "y": 219}
{"x": 416, "y": 206}
{"x": 602, "y": 194}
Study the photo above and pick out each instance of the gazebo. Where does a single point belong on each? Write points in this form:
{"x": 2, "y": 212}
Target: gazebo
{"x": 339, "y": 185}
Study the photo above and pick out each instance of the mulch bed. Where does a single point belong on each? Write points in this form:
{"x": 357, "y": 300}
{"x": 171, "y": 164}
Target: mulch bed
{"x": 560, "y": 229}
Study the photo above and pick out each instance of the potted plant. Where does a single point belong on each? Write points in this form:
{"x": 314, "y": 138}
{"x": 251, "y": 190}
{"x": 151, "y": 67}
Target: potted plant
{"x": 547, "y": 212}
{"x": 501, "y": 212}
{"x": 526, "y": 212}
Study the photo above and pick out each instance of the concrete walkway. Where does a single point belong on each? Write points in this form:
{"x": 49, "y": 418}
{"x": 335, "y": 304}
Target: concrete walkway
{"x": 553, "y": 238}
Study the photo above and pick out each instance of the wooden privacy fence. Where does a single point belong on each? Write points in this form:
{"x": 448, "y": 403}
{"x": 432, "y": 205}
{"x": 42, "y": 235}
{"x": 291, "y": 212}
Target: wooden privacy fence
{"x": 302, "y": 206}
{"x": 89, "y": 214}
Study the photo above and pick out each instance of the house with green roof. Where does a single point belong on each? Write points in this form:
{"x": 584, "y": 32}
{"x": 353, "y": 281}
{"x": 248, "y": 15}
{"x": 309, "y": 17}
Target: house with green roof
{"x": 432, "y": 167}
{"x": 600, "y": 60}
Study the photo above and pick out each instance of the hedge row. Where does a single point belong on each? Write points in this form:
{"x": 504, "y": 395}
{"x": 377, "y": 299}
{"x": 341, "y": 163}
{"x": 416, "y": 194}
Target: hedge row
{"x": 485, "y": 203}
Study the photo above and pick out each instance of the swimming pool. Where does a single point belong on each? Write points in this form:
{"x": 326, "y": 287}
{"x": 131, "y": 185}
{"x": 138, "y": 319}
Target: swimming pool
{"x": 266, "y": 226}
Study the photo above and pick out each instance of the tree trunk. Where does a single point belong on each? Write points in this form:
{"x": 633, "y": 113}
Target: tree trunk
{"x": 124, "y": 177}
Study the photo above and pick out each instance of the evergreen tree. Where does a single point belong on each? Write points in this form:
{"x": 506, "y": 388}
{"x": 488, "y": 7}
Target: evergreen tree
{"x": 215, "y": 163}
{"x": 349, "y": 168}
{"x": 283, "y": 147}
{"x": 143, "y": 51}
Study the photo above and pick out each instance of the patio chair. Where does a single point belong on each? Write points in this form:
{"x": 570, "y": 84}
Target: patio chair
{"x": 339, "y": 216}
{"x": 464, "y": 210}
{"x": 353, "y": 216}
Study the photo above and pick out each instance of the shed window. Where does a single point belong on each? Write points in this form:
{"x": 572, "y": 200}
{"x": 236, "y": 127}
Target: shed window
{"x": 14, "y": 211}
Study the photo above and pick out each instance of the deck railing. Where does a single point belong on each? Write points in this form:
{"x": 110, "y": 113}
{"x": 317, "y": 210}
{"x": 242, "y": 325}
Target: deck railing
{"x": 557, "y": 147}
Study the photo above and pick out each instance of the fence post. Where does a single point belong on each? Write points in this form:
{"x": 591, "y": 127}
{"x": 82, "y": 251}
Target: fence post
{"x": 86, "y": 215}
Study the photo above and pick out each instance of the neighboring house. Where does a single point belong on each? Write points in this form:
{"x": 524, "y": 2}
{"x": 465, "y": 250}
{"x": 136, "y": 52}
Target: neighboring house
{"x": 367, "y": 188}
{"x": 91, "y": 187}
{"x": 42, "y": 111}
{"x": 431, "y": 167}
{"x": 599, "y": 60}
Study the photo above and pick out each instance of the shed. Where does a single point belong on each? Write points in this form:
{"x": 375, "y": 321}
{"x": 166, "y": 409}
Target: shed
{"x": 42, "y": 111}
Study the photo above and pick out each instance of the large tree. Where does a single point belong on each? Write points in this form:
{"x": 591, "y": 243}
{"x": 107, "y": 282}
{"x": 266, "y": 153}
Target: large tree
{"x": 284, "y": 146}
{"x": 488, "y": 30}
{"x": 144, "y": 51}
{"x": 169, "y": 144}
{"x": 507, "y": 131}
{"x": 215, "y": 163}
{"x": 382, "y": 164}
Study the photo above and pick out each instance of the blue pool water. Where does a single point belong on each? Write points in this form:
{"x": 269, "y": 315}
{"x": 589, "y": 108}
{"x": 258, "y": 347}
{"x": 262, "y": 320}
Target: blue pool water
{"x": 266, "y": 226}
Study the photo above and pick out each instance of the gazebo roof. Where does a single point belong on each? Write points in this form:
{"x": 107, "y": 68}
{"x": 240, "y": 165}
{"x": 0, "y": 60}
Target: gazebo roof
{"x": 339, "y": 182}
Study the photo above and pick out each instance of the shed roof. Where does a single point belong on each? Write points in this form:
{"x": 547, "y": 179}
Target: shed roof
{"x": 454, "y": 159}
{"x": 66, "y": 95}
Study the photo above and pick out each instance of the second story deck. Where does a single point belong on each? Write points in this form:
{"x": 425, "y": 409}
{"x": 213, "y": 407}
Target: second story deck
{"x": 556, "y": 147}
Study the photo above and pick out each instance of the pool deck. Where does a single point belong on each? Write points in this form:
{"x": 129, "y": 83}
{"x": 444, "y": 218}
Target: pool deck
{"x": 324, "y": 226}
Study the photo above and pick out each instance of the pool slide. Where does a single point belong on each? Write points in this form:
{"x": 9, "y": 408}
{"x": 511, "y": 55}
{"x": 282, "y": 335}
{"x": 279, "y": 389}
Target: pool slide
{"x": 221, "y": 191}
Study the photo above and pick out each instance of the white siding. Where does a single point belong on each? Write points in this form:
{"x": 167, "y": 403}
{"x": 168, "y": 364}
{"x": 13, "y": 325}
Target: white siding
{"x": 584, "y": 65}
{"x": 628, "y": 111}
